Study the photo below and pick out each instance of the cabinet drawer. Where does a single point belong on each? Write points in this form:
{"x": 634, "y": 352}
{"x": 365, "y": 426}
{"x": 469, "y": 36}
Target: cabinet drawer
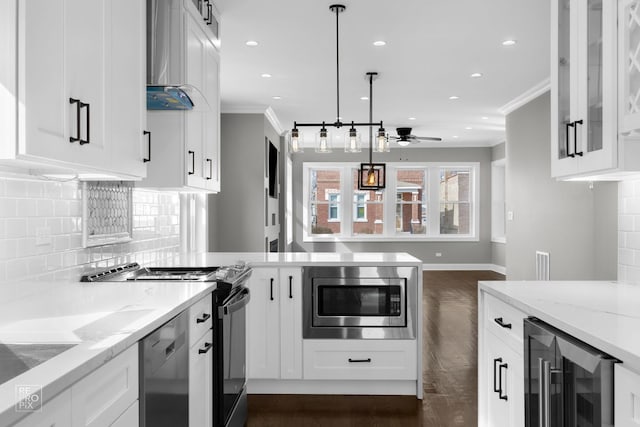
{"x": 505, "y": 321}
{"x": 200, "y": 319}
{"x": 359, "y": 359}
{"x": 102, "y": 396}
{"x": 627, "y": 397}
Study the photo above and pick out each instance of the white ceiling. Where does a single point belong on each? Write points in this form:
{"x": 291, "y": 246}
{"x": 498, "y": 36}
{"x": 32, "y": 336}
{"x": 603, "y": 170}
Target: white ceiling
{"x": 433, "y": 46}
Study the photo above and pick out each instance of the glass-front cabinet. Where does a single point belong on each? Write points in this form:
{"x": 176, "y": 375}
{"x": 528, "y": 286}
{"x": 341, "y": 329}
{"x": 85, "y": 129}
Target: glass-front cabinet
{"x": 629, "y": 69}
{"x": 583, "y": 87}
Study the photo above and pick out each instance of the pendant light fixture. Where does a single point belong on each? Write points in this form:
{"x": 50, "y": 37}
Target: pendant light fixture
{"x": 372, "y": 176}
{"x": 323, "y": 136}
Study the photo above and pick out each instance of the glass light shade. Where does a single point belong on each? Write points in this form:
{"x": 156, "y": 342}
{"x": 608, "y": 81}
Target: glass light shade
{"x": 352, "y": 141}
{"x": 323, "y": 141}
{"x": 295, "y": 141}
{"x": 381, "y": 143}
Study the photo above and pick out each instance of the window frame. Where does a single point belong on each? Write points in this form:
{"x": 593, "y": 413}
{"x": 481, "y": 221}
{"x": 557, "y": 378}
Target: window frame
{"x": 431, "y": 199}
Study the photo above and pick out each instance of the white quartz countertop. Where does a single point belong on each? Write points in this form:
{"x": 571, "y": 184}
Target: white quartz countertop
{"x": 101, "y": 319}
{"x": 260, "y": 259}
{"x": 605, "y": 315}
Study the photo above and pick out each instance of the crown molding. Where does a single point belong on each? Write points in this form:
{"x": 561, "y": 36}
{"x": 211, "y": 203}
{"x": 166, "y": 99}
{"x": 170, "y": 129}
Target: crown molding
{"x": 256, "y": 109}
{"x": 527, "y": 96}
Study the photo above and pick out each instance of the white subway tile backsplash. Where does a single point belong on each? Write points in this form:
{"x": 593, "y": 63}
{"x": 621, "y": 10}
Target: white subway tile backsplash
{"x": 629, "y": 231}
{"x": 30, "y": 207}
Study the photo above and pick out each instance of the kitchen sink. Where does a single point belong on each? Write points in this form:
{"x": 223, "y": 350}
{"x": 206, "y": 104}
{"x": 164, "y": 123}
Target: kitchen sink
{"x": 16, "y": 359}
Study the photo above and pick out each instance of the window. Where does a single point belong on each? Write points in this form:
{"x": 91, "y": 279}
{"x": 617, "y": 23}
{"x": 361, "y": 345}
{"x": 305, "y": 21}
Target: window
{"x": 430, "y": 201}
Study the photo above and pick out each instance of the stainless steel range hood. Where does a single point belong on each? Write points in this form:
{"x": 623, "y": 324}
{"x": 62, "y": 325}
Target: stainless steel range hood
{"x": 164, "y": 60}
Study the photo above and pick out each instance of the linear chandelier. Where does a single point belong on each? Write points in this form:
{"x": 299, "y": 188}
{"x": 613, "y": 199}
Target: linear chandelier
{"x": 352, "y": 137}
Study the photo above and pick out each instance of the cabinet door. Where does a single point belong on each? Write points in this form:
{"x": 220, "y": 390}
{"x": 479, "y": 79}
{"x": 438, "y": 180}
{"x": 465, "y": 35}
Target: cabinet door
{"x": 126, "y": 109}
{"x": 56, "y": 413}
{"x": 195, "y": 119}
{"x": 201, "y": 382}
{"x": 212, "y": 119}
{"x": 263, "y": 325}
{"x": 290, "y": 323}
{"x": 505, "y": 396}
{"x": 629, "y": 66}
{"x": 596, "y": 124}
{"x": 130, "y": 418}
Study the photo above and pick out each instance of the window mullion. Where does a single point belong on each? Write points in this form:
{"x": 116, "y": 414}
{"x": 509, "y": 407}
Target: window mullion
{"x": 346, "y": 189}
{"x": 389, "y": 201}
{"x": 433, "y": 204}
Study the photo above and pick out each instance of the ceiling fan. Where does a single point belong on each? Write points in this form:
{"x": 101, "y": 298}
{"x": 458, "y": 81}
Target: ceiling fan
{"x": 405, "y": 137}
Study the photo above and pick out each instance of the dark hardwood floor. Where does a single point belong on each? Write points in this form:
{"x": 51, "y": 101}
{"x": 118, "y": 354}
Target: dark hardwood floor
{"x": 450, "y": 371}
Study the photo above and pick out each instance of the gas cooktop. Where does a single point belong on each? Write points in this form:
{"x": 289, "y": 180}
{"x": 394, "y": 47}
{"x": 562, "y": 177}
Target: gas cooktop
{"x": 133, "y": 271}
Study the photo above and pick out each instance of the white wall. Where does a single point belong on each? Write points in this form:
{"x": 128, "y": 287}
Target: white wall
{"x": 27, "y": 205}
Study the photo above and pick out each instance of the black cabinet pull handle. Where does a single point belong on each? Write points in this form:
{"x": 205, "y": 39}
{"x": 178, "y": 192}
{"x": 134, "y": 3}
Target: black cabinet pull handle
{"x": 77, "y": 137}
{"x": 210, "y": 168}
{"x": 193, "y": 162}
{"x": 147, "y": 159}
{"x": 209, "y": 19}
{"x": 500, "y": 322}
{"x": 291, "y": 287}
{"x": 88, "y": 140}
{"x": 359, "y": 360}
{"x": 505, "y": 366}
{"x": 495, "y": 383}
{"x": 271, "y": 289}
{"x": 575, "y": 138}
{"x": 570, "y": 125}
{"x": 207, "y": 347}
{"x": 204, "y": 318}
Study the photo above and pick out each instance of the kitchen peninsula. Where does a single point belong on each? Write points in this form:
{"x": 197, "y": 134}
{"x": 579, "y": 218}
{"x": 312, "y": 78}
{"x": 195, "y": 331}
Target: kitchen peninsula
{"x": 102, "y": 322}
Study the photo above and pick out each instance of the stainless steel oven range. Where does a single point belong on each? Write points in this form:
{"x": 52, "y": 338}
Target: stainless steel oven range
{"x": 164, "y": 398}
{"x": 360, "y": 302}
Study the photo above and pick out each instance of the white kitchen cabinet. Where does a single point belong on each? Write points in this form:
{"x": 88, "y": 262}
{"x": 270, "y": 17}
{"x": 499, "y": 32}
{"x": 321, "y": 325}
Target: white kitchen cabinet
{"x": 201, "y": 381}
{"x": 200, "y": 319}
{"x": 500, "y": 363}
{"x": 629, "y": 79}
{"x": 130, "y": 418}
{"x": 82, "y": 111}
{"x": 54, "y": 413}
{"x": 274, "y": 324}
{"x": 102, "y": 396}
{"x": 186, "y": 143}
{"x": 627, "y": 395}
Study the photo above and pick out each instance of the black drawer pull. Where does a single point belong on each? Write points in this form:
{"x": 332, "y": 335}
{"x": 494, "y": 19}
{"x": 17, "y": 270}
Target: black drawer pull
{"x": 204, "y": 318}
{"x": 575, "y": 138}
{"x": 290, "y": 287}
{"x": 566, "y": 140}
{"x": 77, "y": 137}
{"x": 88, "y": 140}
{"x": 505, "y": 366}
{"x": 271, "y": 287}
{"x": 207, "y": 347}
{"x": 495, "y": 383}
{"x": 500, "y": 322}
{"x": 210, "y": 168}
{"x": 193, "y": 162}
{"x": 147, "y": 159}
{"x": 360, "y": 360}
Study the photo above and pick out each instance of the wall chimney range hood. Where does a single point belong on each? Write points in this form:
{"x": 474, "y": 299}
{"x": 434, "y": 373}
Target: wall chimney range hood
{"x": 165, "y": 90}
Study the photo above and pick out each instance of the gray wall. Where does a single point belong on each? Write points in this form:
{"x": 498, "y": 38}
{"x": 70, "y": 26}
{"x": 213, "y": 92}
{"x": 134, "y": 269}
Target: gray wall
{"x": 238, "y": 215}
{"x": 452, "y": 252}
{"x": 571, "y": 221}
{"x": 498, "y": 253}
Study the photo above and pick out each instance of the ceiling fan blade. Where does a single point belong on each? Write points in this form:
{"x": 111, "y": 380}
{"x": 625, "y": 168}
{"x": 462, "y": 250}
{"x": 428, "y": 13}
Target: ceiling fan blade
{"x": 427, "y": 138}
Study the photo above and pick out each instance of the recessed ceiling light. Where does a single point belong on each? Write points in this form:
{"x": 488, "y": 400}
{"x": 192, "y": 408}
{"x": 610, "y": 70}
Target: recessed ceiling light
{"x": 276, "y": 97}
{"x": 476, "y": 75}
{"x": 364, "y": 98}
{"x": 455, "y": 136}
{"x": 251, "y": 43}
{"x": 453, "y": 97}
{"x": 265, "y": 75}
{"x": 508, "y": 42}
{"x": 485, "y": 118}
{"x": 468, "y": 128}
{"x": 379, "y": 43}
{"x": 412, "y": 118}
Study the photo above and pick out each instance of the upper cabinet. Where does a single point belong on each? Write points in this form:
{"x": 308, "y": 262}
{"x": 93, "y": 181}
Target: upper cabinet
{"x": 588, "y": 74}
{"x": 185, "y": 143}
{"x": 75, "y": 107}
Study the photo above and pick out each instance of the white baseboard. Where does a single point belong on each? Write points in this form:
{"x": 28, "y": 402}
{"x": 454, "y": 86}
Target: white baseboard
{"x": 465, "y": 267}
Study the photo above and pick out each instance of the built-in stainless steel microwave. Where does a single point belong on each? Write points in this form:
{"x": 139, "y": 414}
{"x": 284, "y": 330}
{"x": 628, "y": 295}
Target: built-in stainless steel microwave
{"x": 359, "y": 302}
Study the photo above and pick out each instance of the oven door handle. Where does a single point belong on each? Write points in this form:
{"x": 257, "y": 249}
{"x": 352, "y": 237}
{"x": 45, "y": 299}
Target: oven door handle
{"x": 239, "y": 301}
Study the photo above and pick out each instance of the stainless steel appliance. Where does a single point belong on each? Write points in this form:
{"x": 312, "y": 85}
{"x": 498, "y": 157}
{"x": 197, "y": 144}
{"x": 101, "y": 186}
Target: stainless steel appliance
{"x": 229, "y": 330}
{"x": 567, "y": 382}
{"x": 360, "y": 302}
{"x": 164, "y": 375}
